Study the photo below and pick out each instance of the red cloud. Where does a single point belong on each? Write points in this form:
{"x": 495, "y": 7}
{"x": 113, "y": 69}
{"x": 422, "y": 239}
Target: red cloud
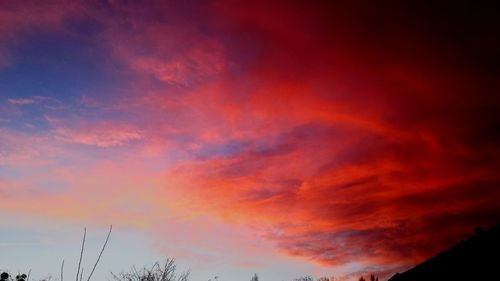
{"x": 344, "y": 132}
{"x": 355, "y": 133}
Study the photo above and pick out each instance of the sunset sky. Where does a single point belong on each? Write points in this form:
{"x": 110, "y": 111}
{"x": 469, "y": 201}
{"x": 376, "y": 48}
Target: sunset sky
{"x": 283, "y": 138}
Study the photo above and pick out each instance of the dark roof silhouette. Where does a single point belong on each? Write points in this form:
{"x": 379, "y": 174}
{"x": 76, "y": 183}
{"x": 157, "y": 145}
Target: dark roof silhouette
{"x": 477, "y": 258}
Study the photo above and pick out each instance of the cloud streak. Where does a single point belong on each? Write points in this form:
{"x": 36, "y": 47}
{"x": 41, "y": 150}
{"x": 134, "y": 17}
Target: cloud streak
{"x": 21, "y": 101}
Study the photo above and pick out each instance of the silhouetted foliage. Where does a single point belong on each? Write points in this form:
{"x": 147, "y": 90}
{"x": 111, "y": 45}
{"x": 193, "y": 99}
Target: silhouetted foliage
{"x": 305, "y": 278}
{"x": 164, "y": 272}
{"x": 5, "y": 276}
{"x": 255, "y": 277}
{"x": 21, "y": 277}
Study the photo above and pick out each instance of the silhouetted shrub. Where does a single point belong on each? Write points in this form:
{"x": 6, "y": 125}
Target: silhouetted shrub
{"x": 305, "y": 278}
{"x": 21, "y": 277}
{"x": 165, "y": 272}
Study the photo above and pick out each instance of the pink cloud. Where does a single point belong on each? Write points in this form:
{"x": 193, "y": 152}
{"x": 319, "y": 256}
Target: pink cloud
{"x": 101, "y": 137}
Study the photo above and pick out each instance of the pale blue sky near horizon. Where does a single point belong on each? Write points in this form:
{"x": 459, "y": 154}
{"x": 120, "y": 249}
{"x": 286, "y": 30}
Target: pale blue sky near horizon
{"x": 40, "y": 244}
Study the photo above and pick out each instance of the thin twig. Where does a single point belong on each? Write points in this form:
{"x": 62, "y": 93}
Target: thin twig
{"x": 81, "y": 252}
{"x": 29, "y": 273}
{"x": 115, "y": 276}
{"x": 100, "y": 254}
{"x": 62, "y": 270}
{"x": 81, "y": 274}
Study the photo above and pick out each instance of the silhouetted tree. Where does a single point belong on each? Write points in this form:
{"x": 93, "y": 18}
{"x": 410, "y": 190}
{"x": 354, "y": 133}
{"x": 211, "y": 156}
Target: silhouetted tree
{"x": 361, "y": 278}
{"x": 255, "y": 278}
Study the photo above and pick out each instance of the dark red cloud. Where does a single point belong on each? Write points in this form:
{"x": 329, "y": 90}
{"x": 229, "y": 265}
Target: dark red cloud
{"x": 369, "y": 129}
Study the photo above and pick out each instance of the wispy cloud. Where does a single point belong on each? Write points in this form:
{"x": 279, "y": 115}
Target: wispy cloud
{"x": 21, "y": 101}
{"x": 101, "y": 137}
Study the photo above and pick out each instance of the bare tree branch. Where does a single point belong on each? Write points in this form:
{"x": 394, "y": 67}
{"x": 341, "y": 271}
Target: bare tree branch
{"x": 81, "y": 252}
{"x": 62, "y": 270}
{"x": 100, "y": 254}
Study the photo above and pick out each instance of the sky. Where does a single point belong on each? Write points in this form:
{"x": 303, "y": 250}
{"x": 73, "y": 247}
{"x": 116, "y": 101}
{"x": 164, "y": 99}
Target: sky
{"x": 282, "y": 138}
